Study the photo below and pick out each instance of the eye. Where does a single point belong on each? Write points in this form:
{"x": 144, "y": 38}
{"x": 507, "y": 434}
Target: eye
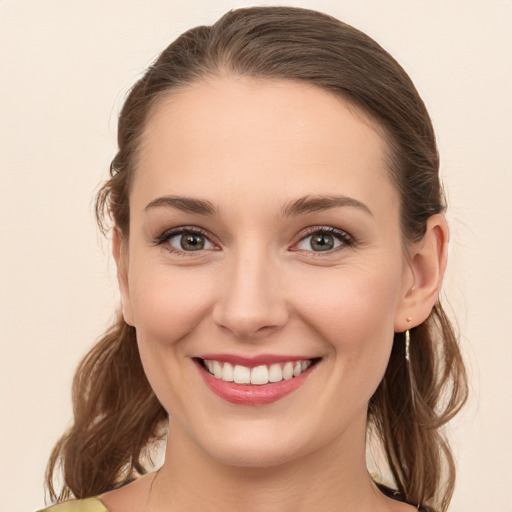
{"x": 185, "y": 240}
{"x": 324, "y": 240}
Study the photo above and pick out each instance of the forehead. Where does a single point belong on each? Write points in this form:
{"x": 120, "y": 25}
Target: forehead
{"x": 268, "y": 139}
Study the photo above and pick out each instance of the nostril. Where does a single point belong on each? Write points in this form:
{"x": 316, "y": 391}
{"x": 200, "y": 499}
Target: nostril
{"x": 250, "y": 312}
{"x": 248, "y": 328}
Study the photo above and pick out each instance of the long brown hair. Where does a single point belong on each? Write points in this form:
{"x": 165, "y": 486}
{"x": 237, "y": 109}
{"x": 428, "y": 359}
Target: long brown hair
{"x": 116, "y": 414}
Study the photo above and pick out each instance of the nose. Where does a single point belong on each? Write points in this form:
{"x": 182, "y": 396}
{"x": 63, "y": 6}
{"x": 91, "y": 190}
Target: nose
{"x": 250, "y": 302}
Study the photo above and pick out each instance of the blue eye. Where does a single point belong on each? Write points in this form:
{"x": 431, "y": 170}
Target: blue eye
{"x": 323, "y": 240}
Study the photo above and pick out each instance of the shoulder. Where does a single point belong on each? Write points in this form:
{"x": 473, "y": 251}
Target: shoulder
{"x": 87, "y": 505}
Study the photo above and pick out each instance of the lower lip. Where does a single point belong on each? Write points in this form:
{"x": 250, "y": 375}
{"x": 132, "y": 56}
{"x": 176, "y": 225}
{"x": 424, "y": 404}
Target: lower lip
{"x": 242, "y": 394}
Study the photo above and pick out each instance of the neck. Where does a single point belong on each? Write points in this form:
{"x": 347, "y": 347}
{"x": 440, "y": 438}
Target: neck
{"x": 332, "y": 478}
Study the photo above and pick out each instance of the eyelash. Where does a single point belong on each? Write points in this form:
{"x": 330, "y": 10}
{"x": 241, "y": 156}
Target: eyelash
{"x": 341, "y": 236}
{"x": 183, "y": 230}
{"x": 346, "y": 240}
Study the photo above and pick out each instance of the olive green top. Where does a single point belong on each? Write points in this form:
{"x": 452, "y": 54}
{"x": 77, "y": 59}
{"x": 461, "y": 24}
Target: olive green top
{"x": 87, "y": 505}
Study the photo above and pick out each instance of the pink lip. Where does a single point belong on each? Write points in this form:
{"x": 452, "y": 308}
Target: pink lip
{"x": 252, "y": 362}
{"x": 241, "y": 394}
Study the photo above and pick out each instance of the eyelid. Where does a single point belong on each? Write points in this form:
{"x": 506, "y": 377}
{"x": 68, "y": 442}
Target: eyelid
{"x": 341, "y": 235}
{"x": 180, "y": 230}
{"x": 346, "y": 240}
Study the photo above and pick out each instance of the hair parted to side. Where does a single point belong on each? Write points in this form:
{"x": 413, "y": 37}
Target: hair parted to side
{"x": 116, "y": 414}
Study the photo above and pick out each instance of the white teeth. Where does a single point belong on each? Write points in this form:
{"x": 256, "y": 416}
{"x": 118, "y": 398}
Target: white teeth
{"x": 259, "y": 375}
{"x": 275, "y": 373}
{"x": 227, "y": 372}
{"x": 242, "y": 374}
{"x": 288, "y": 371}
{"x": 217, "y": 369}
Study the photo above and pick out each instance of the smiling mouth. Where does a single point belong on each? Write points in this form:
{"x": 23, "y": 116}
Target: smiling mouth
{"x": 257, "y": 375}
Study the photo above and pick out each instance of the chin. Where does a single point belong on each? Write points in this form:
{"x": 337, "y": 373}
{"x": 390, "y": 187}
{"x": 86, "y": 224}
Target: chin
{"x": 254, "y": 449}
{"x": 254, "y": 458}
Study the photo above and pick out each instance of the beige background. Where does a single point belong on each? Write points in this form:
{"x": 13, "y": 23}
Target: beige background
{"x": 65, "y": 67}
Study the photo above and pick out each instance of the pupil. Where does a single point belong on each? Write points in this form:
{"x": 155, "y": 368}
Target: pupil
{"x": 322, "y": 242}
{"x": 192, "y": 242}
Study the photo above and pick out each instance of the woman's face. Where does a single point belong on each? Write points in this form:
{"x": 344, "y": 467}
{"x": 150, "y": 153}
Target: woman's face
{"x": 264, "y": 229}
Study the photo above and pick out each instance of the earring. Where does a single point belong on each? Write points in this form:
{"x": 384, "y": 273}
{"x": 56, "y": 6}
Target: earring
{"x": 407, "y": 343}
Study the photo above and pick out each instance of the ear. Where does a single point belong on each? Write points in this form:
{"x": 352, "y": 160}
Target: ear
{"x": 119, "y": 250}
{"x": 426, "y": 266}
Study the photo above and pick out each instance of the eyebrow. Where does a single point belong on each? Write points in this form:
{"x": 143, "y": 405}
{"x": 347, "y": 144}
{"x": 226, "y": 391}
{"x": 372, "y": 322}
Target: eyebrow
{"x": 300, "y": 206}
{"x": 311, "y": 204}
{"x": 186, "y": 204}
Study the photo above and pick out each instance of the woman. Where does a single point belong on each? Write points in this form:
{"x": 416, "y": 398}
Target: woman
{"x": 278, "y": 230}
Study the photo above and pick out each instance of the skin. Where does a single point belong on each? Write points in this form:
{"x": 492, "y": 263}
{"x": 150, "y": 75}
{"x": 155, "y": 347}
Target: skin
{"x": 250, "y": 148}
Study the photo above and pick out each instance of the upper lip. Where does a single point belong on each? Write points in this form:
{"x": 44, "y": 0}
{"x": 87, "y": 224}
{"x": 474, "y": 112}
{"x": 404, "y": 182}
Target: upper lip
{"x": 251, "y": 362}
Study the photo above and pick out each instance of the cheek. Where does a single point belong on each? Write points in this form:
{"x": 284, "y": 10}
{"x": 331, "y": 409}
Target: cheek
{"x": 167, "y": 308}
{"x": 353, "y": 302}
{"x": 354, "y": 313}
{"x": 168, "y": 305}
